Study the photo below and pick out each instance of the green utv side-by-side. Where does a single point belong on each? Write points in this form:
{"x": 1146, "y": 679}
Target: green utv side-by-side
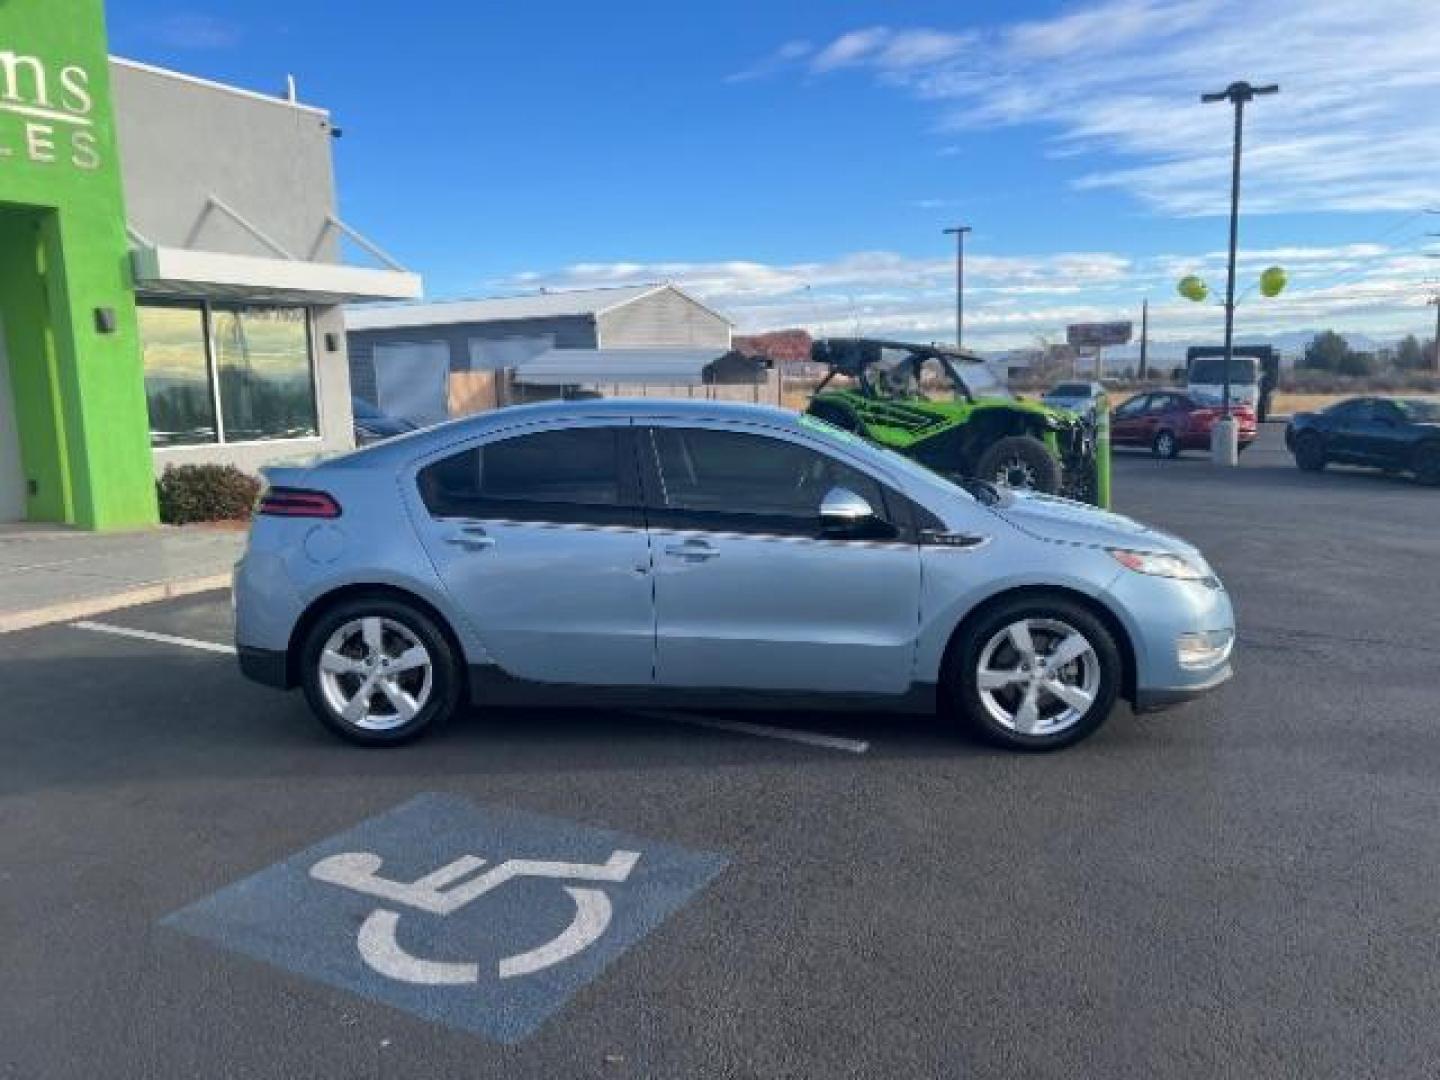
{"x": 944, "y": 408}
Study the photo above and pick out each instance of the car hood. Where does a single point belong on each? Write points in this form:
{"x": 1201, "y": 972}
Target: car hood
{"x": 1063, "y": 521}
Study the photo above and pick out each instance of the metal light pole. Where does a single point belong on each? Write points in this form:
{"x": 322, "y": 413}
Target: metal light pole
{"x": 1435, "y": 358}
{"x": 1144, "y": 339}
{"x": 1225, "y": 438}
{"x": 959, "y": 233}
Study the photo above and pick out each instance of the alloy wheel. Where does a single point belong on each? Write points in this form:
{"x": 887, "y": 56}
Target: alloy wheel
{"x": 1038, "y": 676}
{"x": 375, "y": 673}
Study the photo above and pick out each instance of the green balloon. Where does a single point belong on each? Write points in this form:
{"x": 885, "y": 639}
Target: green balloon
{"x": 1192, "y": 288}
{"x": 1272, "y": 281}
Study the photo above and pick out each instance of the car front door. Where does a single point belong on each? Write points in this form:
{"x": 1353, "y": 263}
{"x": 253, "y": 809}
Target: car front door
{"x": 1126, "y": 419}
{"x": 751, "y": 590}
{"x": 539, "y": 537}
{"x": 1353, "y": 433}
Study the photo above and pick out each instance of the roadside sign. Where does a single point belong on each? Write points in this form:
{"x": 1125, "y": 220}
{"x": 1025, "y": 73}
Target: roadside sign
{"x": 483, "y": 919}
{"x": 1098, "y": 335}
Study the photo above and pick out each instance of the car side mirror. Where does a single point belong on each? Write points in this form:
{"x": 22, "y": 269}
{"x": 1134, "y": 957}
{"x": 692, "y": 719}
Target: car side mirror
{"x": 842, "y": 509}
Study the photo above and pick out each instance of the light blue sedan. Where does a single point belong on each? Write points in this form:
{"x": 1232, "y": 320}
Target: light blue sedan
{"x": 616, "y": 553}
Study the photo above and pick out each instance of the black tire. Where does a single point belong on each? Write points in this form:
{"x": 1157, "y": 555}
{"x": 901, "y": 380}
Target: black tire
{"x": 1309, "y": 452}
{"x": 1427, "y": 464}
{"x": 444, "y": 669}
{"x": 962, "y": 672}
{"x": 1020, "y": 457}
{"x": 1165, "y": 445}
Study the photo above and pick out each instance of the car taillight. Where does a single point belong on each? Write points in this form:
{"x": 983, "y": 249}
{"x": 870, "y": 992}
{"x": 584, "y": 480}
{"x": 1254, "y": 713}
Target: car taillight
{"x": 298, "y": 502}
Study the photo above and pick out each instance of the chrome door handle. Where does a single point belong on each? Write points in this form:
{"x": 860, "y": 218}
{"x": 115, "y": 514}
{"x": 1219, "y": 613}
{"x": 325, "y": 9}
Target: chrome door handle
{"x": 471, "y": 538}
{"x": 692, "y": 551}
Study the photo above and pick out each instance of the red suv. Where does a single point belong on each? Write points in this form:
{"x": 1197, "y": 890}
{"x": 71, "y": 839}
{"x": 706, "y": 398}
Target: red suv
{"x": 1169, "y": 421}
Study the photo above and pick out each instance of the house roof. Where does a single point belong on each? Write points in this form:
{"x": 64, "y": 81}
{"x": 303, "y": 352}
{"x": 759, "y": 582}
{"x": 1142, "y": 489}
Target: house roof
{"x": 636, "y": 367}
{"x": 542, "y": 305}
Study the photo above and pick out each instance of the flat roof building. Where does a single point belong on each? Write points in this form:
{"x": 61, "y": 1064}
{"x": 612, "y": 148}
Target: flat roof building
{"x": 171, "y": 274}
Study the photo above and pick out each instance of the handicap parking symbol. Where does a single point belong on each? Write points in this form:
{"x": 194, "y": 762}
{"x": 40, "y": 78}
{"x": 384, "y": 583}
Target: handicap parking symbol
{"x": 480, "y": 918}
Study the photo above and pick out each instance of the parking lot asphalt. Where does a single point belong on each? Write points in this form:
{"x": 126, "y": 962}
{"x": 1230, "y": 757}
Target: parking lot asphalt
{"x": 1247, "y": 886}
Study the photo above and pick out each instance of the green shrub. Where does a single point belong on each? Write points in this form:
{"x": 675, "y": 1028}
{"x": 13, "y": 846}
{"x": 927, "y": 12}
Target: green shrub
{"x": 205, "y": 493}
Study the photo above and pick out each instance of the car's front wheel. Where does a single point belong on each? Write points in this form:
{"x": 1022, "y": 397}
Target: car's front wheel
{"x": 1166, "y": 445}
{"x": 1427, "y": 464}
{"x": 1037, "y": 674}
{"x": 1309, "y": 452}
{"x": 379, "y": 672}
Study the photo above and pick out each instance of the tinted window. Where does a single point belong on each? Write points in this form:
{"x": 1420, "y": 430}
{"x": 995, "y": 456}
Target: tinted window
{"x": 1163, "y": 403}
{"x": 572, "y": 474}
{"x": 1134, "y": 407}
{"x": 751, "y": 483}
{"x": 1072, "y": 389}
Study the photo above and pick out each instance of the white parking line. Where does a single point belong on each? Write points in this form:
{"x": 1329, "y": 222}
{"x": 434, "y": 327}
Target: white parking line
{"x": 151, "y": 635}
{"x": 809, "y": 738}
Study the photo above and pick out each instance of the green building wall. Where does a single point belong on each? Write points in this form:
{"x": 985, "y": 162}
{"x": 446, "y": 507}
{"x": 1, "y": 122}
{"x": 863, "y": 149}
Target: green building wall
{"x": 64, "y": 258}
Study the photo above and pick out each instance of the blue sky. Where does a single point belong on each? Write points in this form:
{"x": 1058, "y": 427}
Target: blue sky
{"x": 794, "y": 163}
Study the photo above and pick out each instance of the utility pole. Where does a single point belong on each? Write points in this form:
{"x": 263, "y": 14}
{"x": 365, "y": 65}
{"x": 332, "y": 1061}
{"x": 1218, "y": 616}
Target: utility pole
{"x": 1224, "y": 439}
{"x": 959, "y": 232}
{"x": 1435, "y": 357}
{"x": 1435, "y": 345}
{"x": 1144, "y": 338}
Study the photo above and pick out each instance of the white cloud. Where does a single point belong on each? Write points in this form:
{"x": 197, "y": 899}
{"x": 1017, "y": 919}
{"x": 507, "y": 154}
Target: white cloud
{"x": 1012, "y": 299}
{"x": 193, "y": 30}
{"x": 1354, "y": 128}
{"x": 849, "y": 49}
{"x": 786, "y": 54}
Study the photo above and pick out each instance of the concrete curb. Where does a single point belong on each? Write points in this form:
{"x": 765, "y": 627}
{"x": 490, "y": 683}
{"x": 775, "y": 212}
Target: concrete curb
{"x": 98, "y": 605}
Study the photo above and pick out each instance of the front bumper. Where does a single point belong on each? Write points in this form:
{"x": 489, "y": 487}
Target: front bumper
{"x": 1156, "y": 699}
{"x": 1159, "y": 613}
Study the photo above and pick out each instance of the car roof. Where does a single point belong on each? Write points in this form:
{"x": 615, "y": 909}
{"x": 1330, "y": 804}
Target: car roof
{"x": 423, "y": 441}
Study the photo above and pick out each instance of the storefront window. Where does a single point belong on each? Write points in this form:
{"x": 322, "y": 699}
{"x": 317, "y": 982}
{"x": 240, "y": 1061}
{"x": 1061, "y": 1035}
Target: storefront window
{"x": 262, "y": 362}
{"x": 177, "y": 375}
{"x": 263, "y": 359}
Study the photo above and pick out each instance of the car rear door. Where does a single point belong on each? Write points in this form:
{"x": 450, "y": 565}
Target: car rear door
{"x": 538, "y": 535}
{"x": 750, "y": 591}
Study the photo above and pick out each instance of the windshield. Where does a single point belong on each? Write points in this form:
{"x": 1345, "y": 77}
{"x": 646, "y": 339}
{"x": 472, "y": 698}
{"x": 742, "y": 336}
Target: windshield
{"x": 1210, "y": 370}
{"x": 1071, "y": 389}
{"x": 1419, "y": 410}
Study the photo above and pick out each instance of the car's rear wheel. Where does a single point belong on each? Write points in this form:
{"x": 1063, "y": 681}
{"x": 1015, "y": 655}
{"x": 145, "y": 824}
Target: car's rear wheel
{"x": 1166, "y": 445}
{"x": 1309, "y": 452}
{"x": 1020, "y": 461}
{"x": 1427, "y": 464}
{"x": 379, "y": 672}
{"x": 1037, "y": 674}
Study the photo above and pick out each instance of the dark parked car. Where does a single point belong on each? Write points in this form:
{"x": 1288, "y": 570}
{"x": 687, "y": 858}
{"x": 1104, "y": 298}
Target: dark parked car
{"x": 372, "y": 425}
{"x": 1169, "y": 421}
{"x": 1394, "y": 434}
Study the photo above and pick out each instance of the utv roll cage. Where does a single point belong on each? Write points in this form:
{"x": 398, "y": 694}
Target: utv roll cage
{"x": 854, "y": 357}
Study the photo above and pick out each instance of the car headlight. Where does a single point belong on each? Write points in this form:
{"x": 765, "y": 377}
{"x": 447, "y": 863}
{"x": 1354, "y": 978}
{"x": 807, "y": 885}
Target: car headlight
{"x": 1161, "y": 565}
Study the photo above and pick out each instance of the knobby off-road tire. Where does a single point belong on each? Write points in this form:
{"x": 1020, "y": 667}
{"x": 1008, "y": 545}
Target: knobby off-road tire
{"x": 1020, "y": 461}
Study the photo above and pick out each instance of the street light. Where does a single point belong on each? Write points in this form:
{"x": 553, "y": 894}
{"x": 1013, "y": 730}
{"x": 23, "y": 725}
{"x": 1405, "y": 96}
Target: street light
{"x": 959, "y": 232}
{"x": 1225, "y": 446}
